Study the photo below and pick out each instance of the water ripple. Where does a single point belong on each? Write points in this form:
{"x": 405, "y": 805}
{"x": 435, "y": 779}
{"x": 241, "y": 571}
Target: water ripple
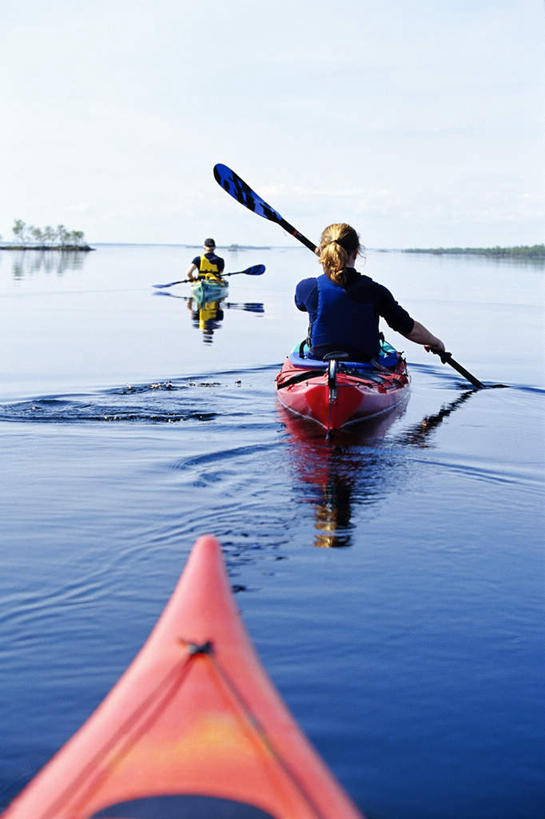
{"x": 158, "y": 402}
{"x": 488, "y": 474}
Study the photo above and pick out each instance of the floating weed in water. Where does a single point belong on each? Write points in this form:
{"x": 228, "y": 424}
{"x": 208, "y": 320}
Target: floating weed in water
{"x": 170, "y": 401}
{"x": 159, "y": 419}
{"x": 139, "y": 388}
{"x": 169, "y": 386}
{"x": 127, "y": 408}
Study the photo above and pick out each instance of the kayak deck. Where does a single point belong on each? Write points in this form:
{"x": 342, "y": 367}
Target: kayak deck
{"x": 210, "y": 289}
{"x": 193, "y": 721}
{"x": 335, "y": 394}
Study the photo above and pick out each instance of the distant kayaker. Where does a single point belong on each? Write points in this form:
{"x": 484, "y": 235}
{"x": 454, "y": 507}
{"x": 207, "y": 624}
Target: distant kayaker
{"x": 344, "y": 306}
{"x": 207, "y": 265}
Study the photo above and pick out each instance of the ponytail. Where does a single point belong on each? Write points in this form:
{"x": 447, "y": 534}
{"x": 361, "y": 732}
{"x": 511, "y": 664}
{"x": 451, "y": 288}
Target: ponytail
{"x": 337, "y": 244}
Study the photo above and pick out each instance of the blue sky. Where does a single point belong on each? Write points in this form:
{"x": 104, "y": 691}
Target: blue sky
{"x": 420, "y": 122}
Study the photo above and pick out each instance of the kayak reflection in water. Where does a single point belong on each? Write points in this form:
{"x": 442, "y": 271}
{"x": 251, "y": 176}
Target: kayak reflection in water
{"x": 207, "y": 316}
{"x": 351, "y": 469}
{"x": 341, "y": 471}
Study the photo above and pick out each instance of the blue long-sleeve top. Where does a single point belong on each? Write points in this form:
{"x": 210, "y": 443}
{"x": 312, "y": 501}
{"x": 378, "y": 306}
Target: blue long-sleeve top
{"x": 347, "y": 317}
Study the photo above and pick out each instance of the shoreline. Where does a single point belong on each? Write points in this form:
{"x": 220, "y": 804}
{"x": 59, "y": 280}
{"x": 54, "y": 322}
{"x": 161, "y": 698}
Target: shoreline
{"x": 516, "y": 252}
{"x": 62, "y": 248}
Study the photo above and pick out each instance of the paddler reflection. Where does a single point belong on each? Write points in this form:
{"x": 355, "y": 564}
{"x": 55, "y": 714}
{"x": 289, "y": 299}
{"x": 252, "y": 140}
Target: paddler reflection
{"x": 207, "y": 316}
{"x": 332, "y": 520}
{"x": 341, "y": 470}
{"x": 353, "y": 468}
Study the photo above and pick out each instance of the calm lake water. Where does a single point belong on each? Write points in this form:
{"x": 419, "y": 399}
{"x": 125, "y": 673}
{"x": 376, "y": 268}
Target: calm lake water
{"x": 414, "y": 656}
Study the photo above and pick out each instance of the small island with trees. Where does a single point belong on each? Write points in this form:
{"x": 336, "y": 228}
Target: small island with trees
{"x": 29, "y": 237}
{"x": 517, "y": 252}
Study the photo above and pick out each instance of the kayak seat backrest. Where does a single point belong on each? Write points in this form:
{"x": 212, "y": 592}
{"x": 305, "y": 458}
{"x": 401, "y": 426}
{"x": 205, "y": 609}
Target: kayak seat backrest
{"x": 336, "y": 355}
{"x": 306, "y": 363}
{"x": 213, "y": 278}
{"x": 387, "y": 358}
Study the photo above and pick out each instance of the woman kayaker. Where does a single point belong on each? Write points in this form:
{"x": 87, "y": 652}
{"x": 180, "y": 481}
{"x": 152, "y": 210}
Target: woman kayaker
{"x": 207, "y": 265}
{"x": 344, "y": 306}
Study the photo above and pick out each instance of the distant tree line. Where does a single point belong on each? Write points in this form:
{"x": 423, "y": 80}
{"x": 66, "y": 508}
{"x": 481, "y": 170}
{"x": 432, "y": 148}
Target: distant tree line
{"x": 47, "y": 238}
{"x": 520, "y": 251}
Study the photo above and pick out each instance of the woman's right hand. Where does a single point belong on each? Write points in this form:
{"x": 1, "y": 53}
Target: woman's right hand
{"x": 436, "y": 347}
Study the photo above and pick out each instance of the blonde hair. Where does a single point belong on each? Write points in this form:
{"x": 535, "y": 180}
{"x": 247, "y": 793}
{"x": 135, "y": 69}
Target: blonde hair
{"x": 337, "y": 243}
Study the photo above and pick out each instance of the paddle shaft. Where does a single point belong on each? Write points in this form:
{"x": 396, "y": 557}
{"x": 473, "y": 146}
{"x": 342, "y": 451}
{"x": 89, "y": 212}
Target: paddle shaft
{"x": 236, "y": 187}
{"x": 255, "y": 270}
{"x": 299, "y": 236}
{"x": 185, "y": 281}
{"x": 447, "y": 358}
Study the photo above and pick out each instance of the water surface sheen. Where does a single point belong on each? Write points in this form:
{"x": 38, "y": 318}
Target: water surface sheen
{"x": 392, "y": 579}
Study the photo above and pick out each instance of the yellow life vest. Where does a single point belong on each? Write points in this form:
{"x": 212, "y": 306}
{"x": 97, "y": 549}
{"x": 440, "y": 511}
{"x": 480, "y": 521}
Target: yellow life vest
{"x": 208, "y": 270}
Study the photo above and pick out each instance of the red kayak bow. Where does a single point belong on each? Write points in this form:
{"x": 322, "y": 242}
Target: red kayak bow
{"x": 193, "y": 726}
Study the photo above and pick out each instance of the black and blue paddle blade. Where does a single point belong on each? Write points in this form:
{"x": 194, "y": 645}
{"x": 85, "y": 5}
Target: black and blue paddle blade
{"x": 256, "y": 270}
{"x": 242, "y": 192}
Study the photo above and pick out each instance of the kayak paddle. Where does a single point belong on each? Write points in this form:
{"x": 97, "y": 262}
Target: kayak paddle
{"x": 447, "y": 358}
{"x": 256, "y": 270}
{"x": 242, "y": 192}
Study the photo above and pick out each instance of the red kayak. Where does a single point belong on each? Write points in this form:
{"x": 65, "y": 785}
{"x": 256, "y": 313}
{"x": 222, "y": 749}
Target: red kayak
{"x": 194, "y": 728}
{"x": 338, "y": 393}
